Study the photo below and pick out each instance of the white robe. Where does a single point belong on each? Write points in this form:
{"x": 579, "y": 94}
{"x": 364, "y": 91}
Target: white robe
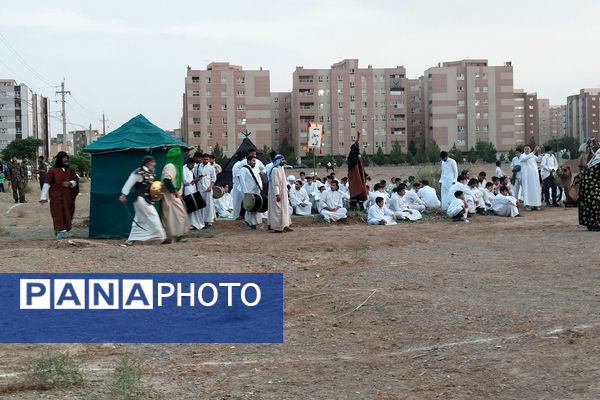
{"x": 146, "y": 224}
{"x": 401, "y": 210}
{"x": 299, "y": 197}
{"x": 236, "y": 192}
{"x": 223, "y": 205}
{"x": 376, "y": 214}
{"x": 478, "y": 197}
{"x": 487, "y": 199}
{"x": 517, "y": 186}
{"x": 505, "y": 206}
{"x": 429, "y": 196}
{"x": 413, "y": 201}
{"x": 248, "y": 185}
{"x": 279, "y": 214}
{"x": 332, "y": 199}
{"x": 530, "y": 181}
{"x": 499, "y": 172}
{"x": 313, "y": 194}
{"x": 208, "y": 176}
{"x": 549, "y": 165}
{"x": 194, "y": 218}
{"x": 447, "y": 178}
{"x": 455, "y": 206}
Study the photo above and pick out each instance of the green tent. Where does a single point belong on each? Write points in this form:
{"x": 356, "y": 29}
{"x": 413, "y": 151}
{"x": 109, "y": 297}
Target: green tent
{"x": 114, "y": 157}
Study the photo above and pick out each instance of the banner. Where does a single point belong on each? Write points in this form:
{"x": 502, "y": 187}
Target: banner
{"x": 315, "y": 135}
{"x": 141, "y": 308}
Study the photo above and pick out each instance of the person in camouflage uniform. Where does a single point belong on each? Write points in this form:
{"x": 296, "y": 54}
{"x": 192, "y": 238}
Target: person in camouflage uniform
{"x": 17, "y": 175}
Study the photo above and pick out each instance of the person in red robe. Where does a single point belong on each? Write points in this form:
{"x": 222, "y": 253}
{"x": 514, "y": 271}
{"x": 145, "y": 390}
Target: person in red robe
{"x": 61, "y": 187}
{"x": 357, "y": 180}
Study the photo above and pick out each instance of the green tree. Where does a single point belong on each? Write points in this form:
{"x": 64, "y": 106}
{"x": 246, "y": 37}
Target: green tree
{"x": 511, "y": 154}
{"x": 421, "y": 157}
{"x": 339, "y": 160}
{"x": 365, "y": 158}
{"x": 22, "y": 148}
{"x": 455, "y": 153}
{"x": 291, "y": 159}
{"x": 309, "y": 159}
{"x": 379, "y": 158}
{"x": 199, "y": 150}
{"x": 411, "y": 159}
{"x": 502, "y": 157}
{"x": 219, "y": 157}
{"x": 486, "y": 151}
{"x": 395, "y": 156}
{"x": 472, "y": 155}
{"x": 433, "y": 151}
{"x": 81, "y": 163}
{"x": 412, "y": 147}
{"x": 568, "y": 143}
{"x": 531, "y": 142}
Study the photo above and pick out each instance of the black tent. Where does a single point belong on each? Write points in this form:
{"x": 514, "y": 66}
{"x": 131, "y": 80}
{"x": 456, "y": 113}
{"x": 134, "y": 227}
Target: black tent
{"x": 225, "y": 175}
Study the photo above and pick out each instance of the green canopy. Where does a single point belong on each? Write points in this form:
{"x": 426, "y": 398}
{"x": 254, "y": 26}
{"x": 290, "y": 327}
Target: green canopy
{"x": 114, "y": 157}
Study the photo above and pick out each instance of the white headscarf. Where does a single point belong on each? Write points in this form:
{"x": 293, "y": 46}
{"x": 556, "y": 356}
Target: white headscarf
{"x": 595, "y": 160}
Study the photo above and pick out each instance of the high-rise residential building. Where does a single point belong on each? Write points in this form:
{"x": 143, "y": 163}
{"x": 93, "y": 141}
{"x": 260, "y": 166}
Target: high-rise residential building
{"x": 223, "y": 101}
{"x": 82, "y": 138}
{"x": 348, "y": 99}
{"x": 557, "y": 127}
{"x": 543, "y": 108}
{"x": 281, "y": 118}
{"x": 526, "y": 118}
{"x": 583, "y": 114}
{"x": 23, "y": 114}
{"x": 467, "y": 101}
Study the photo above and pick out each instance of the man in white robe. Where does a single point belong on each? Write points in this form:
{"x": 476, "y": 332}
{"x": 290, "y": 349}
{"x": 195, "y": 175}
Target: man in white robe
{"x": 398, "y": 205}
{"x": 412, "y": 199}
{"x": 530, "y": 181}
{"x": 205, "y": 186}
{"x": 332, "y": 204}
{"x": 146, "y": 223}
{"x": 250, "y": 183}
{"x": 461, "y": 185}
{"x": 428, "y": 195}
{"x": 505, "y": 205}
{"x": 299, "y": 199}
{"x": 447, "y": 178}
{"x": 549, "y": 165}
{"x": 515, "y": 166}
{"x": 236, "y": 192}
{"x": 379, "y": 214}
{"x": 279, "y": 217}
{"x": 224, "y": 204}
{"x": 488, "y": 195}
{"x": 457, "y": 208}
{"x": 312, "y": 190}
{"x": 189, "y": 187}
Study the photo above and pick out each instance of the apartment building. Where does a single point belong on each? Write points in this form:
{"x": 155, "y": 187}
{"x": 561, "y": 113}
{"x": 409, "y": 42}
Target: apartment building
{"x": 23, "y": 114}
{"x": 281, "y": 118}
{"x": 348, "y": 99}
{"x": 468, "y": 100}
{"x": 223, "y": 101}
{"x": 557, "y": 126}
{"x": 583, "y": 115}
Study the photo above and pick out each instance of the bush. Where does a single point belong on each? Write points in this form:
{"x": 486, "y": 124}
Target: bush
{"x": 55, "y": 369}
{"x": 432, "y": 174}
{"x": 126, "y": 381}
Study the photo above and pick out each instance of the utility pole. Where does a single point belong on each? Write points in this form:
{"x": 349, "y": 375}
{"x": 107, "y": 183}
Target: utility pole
{"x": 64, "y": 115}
{"x": 103, "y": 125}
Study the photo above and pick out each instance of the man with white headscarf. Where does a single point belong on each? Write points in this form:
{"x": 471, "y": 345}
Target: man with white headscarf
{"x": 279, "y": 214}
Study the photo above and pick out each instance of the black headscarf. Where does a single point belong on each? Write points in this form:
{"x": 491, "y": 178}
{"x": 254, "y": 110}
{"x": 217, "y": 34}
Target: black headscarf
{"x": 146, "y": 159}
{"x": 58, "y": 163}
{"x": 353, "y": 157}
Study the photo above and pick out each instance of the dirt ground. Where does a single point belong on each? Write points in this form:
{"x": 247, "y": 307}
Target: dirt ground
{"x": 497, "y": 308}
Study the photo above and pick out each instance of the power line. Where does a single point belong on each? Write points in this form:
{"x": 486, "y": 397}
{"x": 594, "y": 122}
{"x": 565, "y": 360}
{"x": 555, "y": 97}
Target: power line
{"x": 22, "y": 61}
{"x": 84, "y": 108}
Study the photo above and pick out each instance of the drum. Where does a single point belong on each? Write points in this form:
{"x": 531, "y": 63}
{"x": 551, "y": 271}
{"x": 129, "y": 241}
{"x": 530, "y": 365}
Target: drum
{"x": 193, "y": 202}
{"x": 217, "y": 192}
{"x": 255, "y": 203}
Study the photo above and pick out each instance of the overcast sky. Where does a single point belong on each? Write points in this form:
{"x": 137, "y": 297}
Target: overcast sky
{"x": 130, "y": 57}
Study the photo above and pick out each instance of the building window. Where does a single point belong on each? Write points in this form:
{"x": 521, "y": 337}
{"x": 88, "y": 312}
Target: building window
{"x": 241, "y": 121}
{"x": 321, "y": 92}
{"x": 305, "y": 78}
{"x": 460, "y": 116}
{"x": 209, "y": 107}
{"x": 340, "y": 78}
{"x": 460, "y": 128}
{"x": 340, "y": 92}
{"x": 340, "y": 105}
{"x": 195, "y": 120}
{"x": 486, "y": 128}
{"x": 207, "y": 79}
{"x": 307, "y": 106}
{"x": 363, "y": 92}
{"x": 485, "y": 102}
{"x": 485, "y": 115}
{"x": 397, "y": 104}
{"x": 209, "y": 121}
{"x": 241, "y": 107}
{"x": 364, "y": 104}
{"x": 195, "y": 79}
{"x": 364, "y": 118}
{"x": 351, "y": 84}
{"x": 485, "y": 89}
{"x": 460, "y": 77}
{"x": 208, "y": 93}
{"x": 240, "y": 80}
{"x": 276, "y": 99}
{"x": 195, "y": 107}
{"x": 352, "y": 125}
{"x": 224, "y": 120}
{"x": 223, "y": 79}
{"x": 321, "y": 118}
{"x": 321, "y": 106}
{"x": 477, "y": 115}
{"x": 397, "y": 131}
{"x": 477, "y": 128}
{"x": 460, "y": 89}
{"x": 241, "y": 93}
{"x": 195, "y": 93}
{"x": 320, "y": 78}
{"x": 196, "y": 134}
{"x": 224, "y": 135}
{"x": 223, "y": 107}
{"x": 476, "y": 102}
{"x": 341, "y": 118}
{"x": 352, "y": 111}
{"x": 276, "y": 120}
{"x": 223, "y": 93}
{"x": 352, "y": 98}
{"x": 210, "y": 135}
